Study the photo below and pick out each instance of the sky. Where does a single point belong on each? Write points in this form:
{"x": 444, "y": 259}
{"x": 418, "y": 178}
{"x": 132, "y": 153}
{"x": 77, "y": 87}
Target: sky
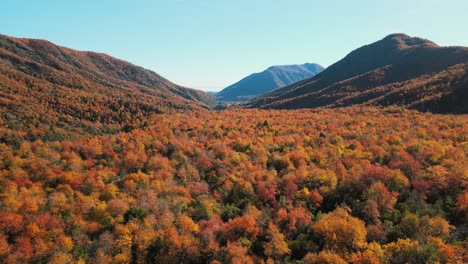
{"x": 210, "y": 44}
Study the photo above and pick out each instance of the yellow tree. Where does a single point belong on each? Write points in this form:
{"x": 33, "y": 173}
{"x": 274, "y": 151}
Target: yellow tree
{"x": 341, "y": 232}
{"x": 324, "y": 257}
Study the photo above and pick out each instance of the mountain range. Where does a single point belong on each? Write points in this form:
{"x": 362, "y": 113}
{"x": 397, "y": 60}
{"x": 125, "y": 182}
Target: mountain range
{"x": 103, "y": 161}
{"x": 262, "y": 82}
{"x": 397, "y": 70}
{"x": 61, "y": 87}
{"x": 65, "y": 91}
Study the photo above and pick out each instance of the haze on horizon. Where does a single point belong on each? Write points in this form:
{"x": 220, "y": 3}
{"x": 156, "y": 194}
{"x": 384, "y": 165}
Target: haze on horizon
{"x": 211, "y": 44}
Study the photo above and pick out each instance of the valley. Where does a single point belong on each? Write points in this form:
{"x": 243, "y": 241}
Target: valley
{"x": 360, "y": 184}
{"x": 103, "y": 161}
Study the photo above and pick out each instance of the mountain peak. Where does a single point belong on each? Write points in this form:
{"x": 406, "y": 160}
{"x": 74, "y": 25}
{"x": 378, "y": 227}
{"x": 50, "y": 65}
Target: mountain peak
{"x": 273, "y": 67}
{"x": 273, "y": 77}
{"x": 295, "y": 67}
{"x": 397, "y": 69}
{"x": 403, "y": 41}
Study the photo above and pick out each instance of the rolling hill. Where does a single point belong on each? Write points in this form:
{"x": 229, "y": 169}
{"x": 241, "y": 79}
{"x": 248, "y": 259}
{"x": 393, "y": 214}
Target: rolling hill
{"x": 274, "y": 77}
{"x": 42, "y": 84}
{"x": 397, "y": 70}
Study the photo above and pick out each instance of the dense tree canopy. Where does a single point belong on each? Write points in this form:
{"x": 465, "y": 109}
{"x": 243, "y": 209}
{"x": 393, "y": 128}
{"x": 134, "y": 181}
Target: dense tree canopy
{"x": 359, "y": 185}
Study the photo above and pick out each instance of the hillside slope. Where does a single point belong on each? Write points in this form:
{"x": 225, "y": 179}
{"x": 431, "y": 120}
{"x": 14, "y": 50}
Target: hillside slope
{"x": 43, "y": 84}
{"x": 374, "y": 73}
{"x": 262, "y": 82}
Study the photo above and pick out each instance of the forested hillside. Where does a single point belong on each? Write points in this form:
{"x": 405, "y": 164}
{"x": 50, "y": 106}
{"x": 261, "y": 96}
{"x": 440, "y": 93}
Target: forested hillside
{"x": 57, "y": 92}
{"x": 397, "y": 70}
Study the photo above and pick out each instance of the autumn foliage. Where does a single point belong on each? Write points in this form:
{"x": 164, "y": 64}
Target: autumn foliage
{"x": 359, "y": 185}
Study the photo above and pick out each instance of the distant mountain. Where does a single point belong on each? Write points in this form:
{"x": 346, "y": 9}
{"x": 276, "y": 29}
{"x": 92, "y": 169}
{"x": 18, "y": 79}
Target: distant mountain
{"x": 397, "y": 70}
{"x": 59, "y": 87}
{"x": 259, "y": 83}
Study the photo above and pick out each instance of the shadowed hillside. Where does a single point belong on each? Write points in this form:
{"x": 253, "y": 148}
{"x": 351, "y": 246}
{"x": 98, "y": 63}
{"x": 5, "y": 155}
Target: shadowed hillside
{"x": 374, "y": 73}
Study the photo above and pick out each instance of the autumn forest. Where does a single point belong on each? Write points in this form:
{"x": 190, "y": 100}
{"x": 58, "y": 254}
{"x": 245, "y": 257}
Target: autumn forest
{"x": 102, "y": 161}
{"x": 360, "y": 185}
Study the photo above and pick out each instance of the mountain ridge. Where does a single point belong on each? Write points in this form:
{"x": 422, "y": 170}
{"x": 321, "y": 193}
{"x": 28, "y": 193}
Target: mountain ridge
{"x": 271, "y": 78}
{"x": 394, "y": 59}
{"x": 82, "y": 90}
{"x": 123, "y": 70}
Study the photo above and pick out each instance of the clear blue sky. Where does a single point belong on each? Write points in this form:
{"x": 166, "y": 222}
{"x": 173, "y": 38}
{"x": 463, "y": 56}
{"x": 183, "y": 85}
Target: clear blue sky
{"x": 209, "y": 44}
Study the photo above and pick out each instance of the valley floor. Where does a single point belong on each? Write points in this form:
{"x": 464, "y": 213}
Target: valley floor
{"x": 359, "y": 185}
